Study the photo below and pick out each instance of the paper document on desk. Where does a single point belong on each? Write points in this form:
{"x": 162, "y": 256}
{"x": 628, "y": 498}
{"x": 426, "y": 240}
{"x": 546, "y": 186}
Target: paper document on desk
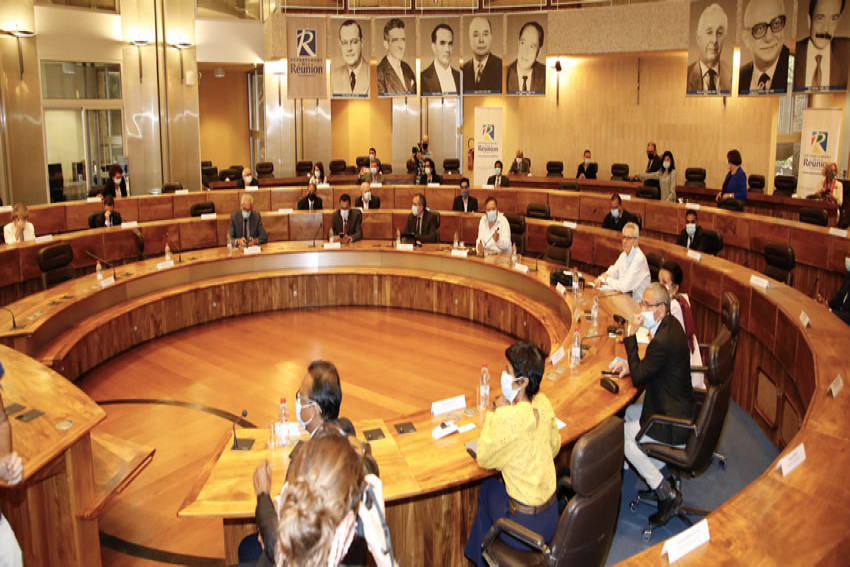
{"x": 560, "y": 423}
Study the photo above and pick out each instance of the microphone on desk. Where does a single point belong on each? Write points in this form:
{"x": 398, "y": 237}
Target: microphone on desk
{"x": 179, "y": 253}
{"x": 14, "y": 323}
{"x": 241, "y": 444}
{"x": 105, "y": 263}
{"x": 318, "y": 229}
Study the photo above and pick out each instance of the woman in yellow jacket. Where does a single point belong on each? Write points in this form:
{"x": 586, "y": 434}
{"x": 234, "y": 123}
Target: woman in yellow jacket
{"x": 520, "y": 439}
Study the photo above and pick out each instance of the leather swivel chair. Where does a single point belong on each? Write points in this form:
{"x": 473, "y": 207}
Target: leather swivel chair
{"x": 265, "y": 170}
{"x": 731, "y": 204}
{"x": 559, "y": 239}
{"x": 54, "y": 261}
{"x": 386, "y": 168}
{"x": 648, "y": 191}
{"x": 336, "y": 167}
{"x": 537, "y": 211}
{"x": 569, "y": 186}
{"x": 229, "y": 174}
{"x": 784, "y": 185}
{"x": 619, "y": 172}
{"x": 206, "y": 163}
{"x": 655, "y": 260}
{"x": 361, "y": 161}
{"x": 755, "y": 183}
{"x": 814, "y": 216}
{"x": 171, "y": 187}
{"x": 93, "y": 219}
{"x": 517, "y": 224}
{"x": 303, "y": 168}
{"x": 554, "y": 169}
{"x": 437, "y": 214}
{"x": 712, "y": 242}
{"x": 451, "y": 166}
{"x": 209, "y": 174}
{"x": 779, "y": 262}
{"x": 695, "y": 177}
{"x": 202, "y": 208}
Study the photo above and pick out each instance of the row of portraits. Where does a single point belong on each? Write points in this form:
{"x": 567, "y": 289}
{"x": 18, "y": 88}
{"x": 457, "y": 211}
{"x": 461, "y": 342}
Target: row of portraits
{"x": 821, "y": 46}
{"x": 501, "y": 53}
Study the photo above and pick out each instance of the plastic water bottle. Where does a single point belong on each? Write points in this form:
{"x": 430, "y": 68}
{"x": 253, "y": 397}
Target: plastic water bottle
{"x": 455, "y": 241}
{"x": 513, "y": 253}
{"x": 167, "y": 252}
{"x": 331, "y": 235}
{"x": 397, "y": 237}
{"x": 229, "y": 244}
{"x": 99, "y": 269}
{"x": 575, "y": 352}
{"x": 484, "y": 390}
{"x": 594, "y": 311}
{"x": 283, "y": 424}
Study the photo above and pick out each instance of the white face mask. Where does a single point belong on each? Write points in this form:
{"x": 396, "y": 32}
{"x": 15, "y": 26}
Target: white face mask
{"x": 316, "y": 174}
{"x": 427, "y": 171}
{"x": 246, "y": 214}
{"x": 666, "y": 165}
{"x": 117, "y": 180}
{"x": 492, "y": 215}
{"x": 367, "y": 196}
{"x": 298, "y": 411}
{"x": 649, "y": 321}
{"x": 498, "y": 171}
{"x": 374, "y": 171}
{"x": 691, "y": 228}
{"x": 586, "y": 161}
{"x": 615, "y": 213}
{"x": 248, "y": 179}
{"x": 344, "y": 213}
{"x": 508, "y": 391}
{"x": 519, "y": 161}
{"x": 415, "y": 210}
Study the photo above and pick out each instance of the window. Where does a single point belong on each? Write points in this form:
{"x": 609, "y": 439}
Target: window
{"x": 74, "y": 80}
{"x": 106, "y": 5}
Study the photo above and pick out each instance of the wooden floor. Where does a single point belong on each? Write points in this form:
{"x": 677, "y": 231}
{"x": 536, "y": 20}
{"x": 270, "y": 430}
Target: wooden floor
{"x": 391, "y": 362}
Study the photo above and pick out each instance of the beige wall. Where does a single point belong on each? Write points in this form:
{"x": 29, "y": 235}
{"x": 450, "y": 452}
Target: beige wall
{"x": 357, "y": 125}
{"x": 223, "y": 105}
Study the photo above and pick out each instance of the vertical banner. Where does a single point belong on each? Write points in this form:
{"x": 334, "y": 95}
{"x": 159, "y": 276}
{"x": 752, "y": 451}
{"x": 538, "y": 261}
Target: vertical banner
{"x": 488, "y": 142}
{"x": 765, "y": 40}
{"x": 526, "y": 49}
{"x": 305, "y": 50}
{"x": 822, "y": 53}
{"x": 819, "y": 141}
{"x": 396, "y": 76}
{"x": 483, "y": 46}
{"x": 439, "y": 50}
{"x": 711, "y": 46}
{"x": 350, "y": 48}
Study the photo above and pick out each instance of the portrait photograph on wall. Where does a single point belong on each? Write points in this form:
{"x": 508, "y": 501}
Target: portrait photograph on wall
{"x": 439, "y": 51}
{"x": 525, "y": 49}
{"x": 395, "y": 50}
{"x": 822, "y": 49}
{"x": 348, "y": 43}
{"x": 765, "y": 47}
{"x": 711, "y": 45}
{"x": 483, "y": 47}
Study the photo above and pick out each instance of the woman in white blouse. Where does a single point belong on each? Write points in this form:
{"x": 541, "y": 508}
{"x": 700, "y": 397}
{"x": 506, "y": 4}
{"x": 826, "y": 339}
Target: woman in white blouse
{"x": 20, "y": 229}
{"x": 494, "y": 232}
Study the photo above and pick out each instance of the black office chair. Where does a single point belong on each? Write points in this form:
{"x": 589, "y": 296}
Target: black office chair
{"x": 361, "y": 161}
{"x": 537, "y": 211}
{"x": 779, "y": 262}
{"x": 648, "y": 191}
{"x": 238, "y": 169}
{"x": 451, "y": 166}
{"x": 586, "y": 526}
{"x": 731, "y": 204}
{"x": 140, "y": 243}
{"x": 559, "y": 239}
{"x": 229, "y": 174}
{"x": 386, "y": 168}
{"x": 337, "y": 166}
{"x": 173, "y": 186}
{"x": 695, "y": 177}
{"x": 554, "y": 169}
{"x": 437, "y": 214}
{"x": 303, "y": 168}
{"x": 209, "y": 174}
{"x": 814, "y": 216}
{"x": 755, "y": 183}
{"x": 711, "y": 243}
{"x": 54, "y": 261}
{"x": 265, "y": 170}
{"x": 569, "y": 186}
{"x": 638, "y": 219}
{"x": 619, "y": 172}
{"x": 93, "y": 219}
{"x": 655, "y": 261}
{"x": 206, "y": 164}
{"x": 517, "y": 224}
{"x": 202, "y": 208}
{"x": 784, "y": 185}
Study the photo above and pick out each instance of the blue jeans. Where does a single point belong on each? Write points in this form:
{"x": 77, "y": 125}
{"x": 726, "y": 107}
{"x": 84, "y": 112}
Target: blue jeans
{"x": 492, "y": 505}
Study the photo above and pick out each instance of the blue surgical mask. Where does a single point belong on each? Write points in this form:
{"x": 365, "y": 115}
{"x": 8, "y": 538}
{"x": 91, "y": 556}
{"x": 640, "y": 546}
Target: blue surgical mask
{"x": 492, "y": 215}
{"x": 414, "y": 210}
{"x": 464, "y": 195}
{"x": 367, "y": 196}
{"x": 374, "y": 170}
{"x": 691, "y": 228}
{"x": 666, "y": 165}
{"x": 246, "y": 214}
{"x": 298, "y": 409}
{"x": 615, "y": 213}
{"x": 631, "y": 255}
{"x": 847, "y": 263}
{"x": 508, "y": 391}
{"x": 498, "y": 171}
{"x": 649, "y": 321}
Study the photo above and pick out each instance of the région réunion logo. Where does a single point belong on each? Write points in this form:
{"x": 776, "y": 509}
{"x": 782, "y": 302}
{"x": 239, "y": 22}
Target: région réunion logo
{"x": 488, "y": 131}
{"x": 819, "y": 140}
{"x": 305, "y": 42}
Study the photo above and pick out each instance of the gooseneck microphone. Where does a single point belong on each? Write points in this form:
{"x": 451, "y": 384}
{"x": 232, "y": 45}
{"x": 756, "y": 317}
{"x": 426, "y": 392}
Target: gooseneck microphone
{"x": 179, "y": 252}
{"x": 105, "y": 263}
{"x": 318, "y": 229}
{"x": 241, "y": 444}
{"x": 14, "y": 323}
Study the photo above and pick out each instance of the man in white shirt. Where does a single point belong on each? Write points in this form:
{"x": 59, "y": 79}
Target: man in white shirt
{"x": 440, "y": 77}
{"x": 20, "y": 229}
{"x": 352, "y": 77}
{"x": 630, "y": 273}
{"x": 494, "y": 232}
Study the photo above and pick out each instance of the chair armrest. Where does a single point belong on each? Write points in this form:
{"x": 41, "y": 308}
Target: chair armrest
{"x": 666, "y": 420}
{"x": 525, "y": 535}
{"x": 699, "y": 368}
{"x": 699, "y": 395}
{"x": 565, "y": 483}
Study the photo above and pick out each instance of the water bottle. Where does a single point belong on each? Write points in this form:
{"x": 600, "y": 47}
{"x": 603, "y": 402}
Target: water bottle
{"x": 99, "y": 269}
{"x": 484, "y": 390}
{"x": 229, "y": 244}
{"x": 594, "y": 311}
{"x": 283, "y": 424}
{"x": 455, "y": 245}
{"x": 513, "y": 253}
{"x": 331, "y": 235}
{"x": 575, "y": 353}
{"x": 167, "y": 252}
{"x": 397, "y": 237}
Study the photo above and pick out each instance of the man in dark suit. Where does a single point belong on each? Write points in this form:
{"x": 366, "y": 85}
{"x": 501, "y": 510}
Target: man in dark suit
{"x": 654, "y": 163}
{"x": 346, "y": 222}
{"x": 824, "y": 16}
{"x": 421, "y": 223}
{"x": 710, "y": 73}
{"x": 439, "y": 77}
{"x": 483, "y": 71}
{"x": 246, "y": 225}
{"x": 691, "y": 235}
{"x": 497, "y": 179}
{"x": 840, "y": 302}
{"x": 463, "y": 202}
{"x": 764, "y": 37}
{"x": 311, "y": 201}
{"x": 247, "y": 180}
{"x": 527, "y": 74}
{"x": 617, "y": 218}
{"x": 395, "y": 77}
{"x": 587, "y": 169}
{"x": 665, "y": 372}
{"x": 521, "y": 165}
{"x": 108, "y": 216}
{"x": 366, "y": 200}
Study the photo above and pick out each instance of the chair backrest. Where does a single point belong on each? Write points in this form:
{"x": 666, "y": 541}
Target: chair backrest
{"x": 386, "y": 167}
{"x": 265, "y": 170}
{"x": 569, "y": 186}
{"x": 537, "y": 211}
{"x": 814, "y": 216}
{"x": 730, "y": 317}
{"x": 140, "y": 242}
{"x": 304, "y": 167}
{"x": 586, "y": 527}
{"x": 712, "y": 242}
{"x": 517, "y": 224}
{"x": 554, "y": 169}
{"x": 559, "y": 239}
{"x": 756, "y": 183}
{"x": 619, "y": 171}
{"x": 779, "y": 262}
{"x": 202, "y": 208}
{"x": 655, "y": 261}
{"x": 173, "y": 186}
{"x": 54, "y": 261}
{"x": 638, "y": 219}
{"x": 238, "y": 169}
{"x": 785, "y": 185}
{"x": 451, "y": 165}
{"x": 648, "y": 191}
{"x": 337, "y": 166}
{"x": 209, "y": 174}
{"x": 206, "y": 164}
{"x": 230, "y": 174}
{"x": 695, "y": 177}
{"x": 361, "y": 161}
{"x": 93, "y": 218}
{"x": 731, "y": 204}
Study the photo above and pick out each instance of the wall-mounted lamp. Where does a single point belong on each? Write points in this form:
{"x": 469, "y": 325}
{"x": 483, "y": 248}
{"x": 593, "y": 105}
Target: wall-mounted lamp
{"x": 558, "y": 68}
{"x": 140, "y": 43}
{"x": 181, "y": 46}
{"x": 18, "y": 33}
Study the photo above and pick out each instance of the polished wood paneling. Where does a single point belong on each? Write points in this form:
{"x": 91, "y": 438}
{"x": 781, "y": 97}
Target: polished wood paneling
{"x": 159, "y": 207}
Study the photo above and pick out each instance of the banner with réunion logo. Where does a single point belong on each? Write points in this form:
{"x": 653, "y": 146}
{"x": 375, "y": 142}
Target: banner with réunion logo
{"x": 306, "y": 54}
{"x": 819, "y": 142}
{"x": 488, "y": 143}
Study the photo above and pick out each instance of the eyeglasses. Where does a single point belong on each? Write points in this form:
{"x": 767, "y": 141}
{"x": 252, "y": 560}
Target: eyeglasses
{"x": 776, "y": 25}
{"x": 645, "y": 304}
{"x": 629, "y": 237}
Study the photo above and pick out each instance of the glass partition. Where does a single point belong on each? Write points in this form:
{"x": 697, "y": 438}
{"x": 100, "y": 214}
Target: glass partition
{"x": 79, "y": 80}
{"x": 230, "y": 9}
{"x": 106, "y": 5}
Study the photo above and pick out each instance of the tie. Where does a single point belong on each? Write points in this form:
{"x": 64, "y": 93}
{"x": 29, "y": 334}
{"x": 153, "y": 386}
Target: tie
{"x": 525, "y": 82}
{"x": 352, "y": 78}
{"x": 498, "y": 180}
{"x": 309, "y": 202}
{"x": 479, "y": 68}
{"x": 245, "y": 230}
{"x": 344, "y": 227}
{"x": 816, "y": 77}
{"x": 712, "y": 85}
{"x": 419, "y": 225}
{"x": 763, "y": 80}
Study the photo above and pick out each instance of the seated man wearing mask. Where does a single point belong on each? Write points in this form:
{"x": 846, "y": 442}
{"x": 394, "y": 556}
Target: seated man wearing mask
{"x": 366, "y": 200}
{"x": 691, "y": 235}
{"x": 494, "y": 232}
{"x": 618, "y": 217}
{"x": 20, "y": 229}
{"x": 630, "y": 273}
{"x": 246, "y": 225}
{"x": 665, "y": 372}
{"x": 108, "y": 216}
{"x": 421, "y": 223}
{"x": 521, "y": 165}
{"x": 247, "y": 179}
{"x": 346, "y": 221}
{"x": 586, "y": 169}
{"x": 497, "y": 179}
{"x": 311, "y": 201}
{"x": 463, "y": 202}
{"x": 371, "y": 172}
